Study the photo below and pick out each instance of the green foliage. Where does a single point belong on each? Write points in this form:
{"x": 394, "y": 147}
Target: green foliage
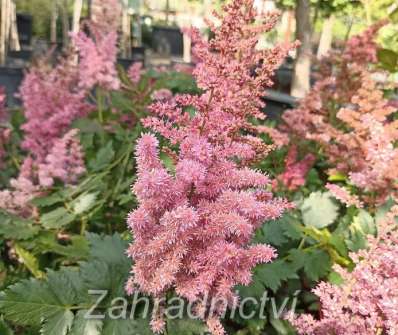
{"x": 319, "y": 210}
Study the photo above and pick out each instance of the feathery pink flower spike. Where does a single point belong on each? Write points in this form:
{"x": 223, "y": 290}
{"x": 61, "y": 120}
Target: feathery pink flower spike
{"x": 367, "y": 302}
{"x": 193, "y": 227}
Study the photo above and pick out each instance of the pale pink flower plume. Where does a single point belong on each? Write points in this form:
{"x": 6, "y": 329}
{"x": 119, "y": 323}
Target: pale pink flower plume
{"x": 347, "y": 114}
{"x": 5, "y": 132}
{"x": 162, "y": 94}
{"x": 97, "y": 65}
{"x": 367, "y": 302}
{"x": 343, "y": 195}
{"x": 134, "y": 72}
{"x": 51, "y": 100}
{"x": 65, "y": 162}
{"x": 193, "y": 227}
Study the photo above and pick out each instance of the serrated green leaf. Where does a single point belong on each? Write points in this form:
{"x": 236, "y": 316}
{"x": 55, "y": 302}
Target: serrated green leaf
{"x": 104, "y": 156}
{"x": 317, "y": 264}
{"x": 58, "y": 324}
{"x": 84, "y": 326}
{"x": 29, "y": 260}
{"x": 185, "y": 326}
{"x": 319, "y": 210}
{"x": 29, "y": 302}
{"x": 273, "y": 274}
{"x": 87, "y": 125}
{"x": 362, "y": 225}
{"x": 108, "y": 249}
{"x": 4, "y": 328}
{"x": 394, "y": 15}
{"x": 17, "y": 229}
{"x": 388, "y": 59}
{"x": 57, "y": 218}
{"x": 84, "y": 203}
{"x": 273, "y": 233}
{"x": 125, "y": 327}
{"x": 48, "y": 200}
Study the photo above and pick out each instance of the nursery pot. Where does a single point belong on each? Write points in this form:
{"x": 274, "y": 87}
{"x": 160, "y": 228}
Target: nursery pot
{"x": 168, "y": 41}
{"x": 277, "y": 103}
{"x": 10, "y": 79}
{"x": 25, "y": 28}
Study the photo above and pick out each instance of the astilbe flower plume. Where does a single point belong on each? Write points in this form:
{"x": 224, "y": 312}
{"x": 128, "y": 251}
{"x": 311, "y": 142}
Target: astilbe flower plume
{"x": 295, "y": 170}
{"x": 193, "y": 227}
{"x": 98, "y": 49}
{"x": 53, "y": 97}
{"x": 348, "y": 116}
{"x": 65, "y": 162}
{"x": 5, "y": 132}
{"x": 367, "y": 301}
{"x": 51, "y": 100}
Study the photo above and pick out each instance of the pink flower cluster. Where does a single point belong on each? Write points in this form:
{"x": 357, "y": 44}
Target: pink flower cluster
{"x": 193, "y": 227}
{"x": 52, "y": 100}
{"x": 363, "y": 48}
{"x": 367, "y": 302}
{"x": 4, "y": 131}
{"x": 134, "y": 72}
{"x": 295, "y": 171}
{"x": 64, "y": 163}
{"x": 97, "y": 65}
{"x": 348, "y": 116}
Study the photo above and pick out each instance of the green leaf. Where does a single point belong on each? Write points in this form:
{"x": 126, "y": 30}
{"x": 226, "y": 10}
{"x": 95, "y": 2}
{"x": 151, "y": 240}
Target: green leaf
{"x": 394, "y": 15}
{"x": 108, "y": 249}
{"x": 48, "y": 200}
{"x": 273, "y": 274}
{"x": 84, "y": 326}
{"x": 87, "y": 125}
{"x": 362, "y": 225}
{"x": 319, "y": 210}
{"x": 273, "y": 233}
{"x": 317, "y": 264}
{"x": 4, "y": 328}
{"x": 104, "y": 156}
{"x": 84, "y": 203}
{"x": 388, "y": 59}
{"x": 185, "y": 326}
{"x": 125, "y": 327}
{"x": 29, "y": 260}
{"x": 14, "y": 228}
{"x": 58, "y": 324}
{"x": 57, "y": 218}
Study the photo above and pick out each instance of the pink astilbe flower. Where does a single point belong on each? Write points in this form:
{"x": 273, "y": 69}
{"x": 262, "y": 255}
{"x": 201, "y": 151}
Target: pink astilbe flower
{"x": 97, "y": 64}
{"x": 162, "y": 94}
{"x": 65, "y": 161}
{"x": 52, "y": 100}
{"x": 98, "y": 50}
{"x": 342, "y": 194}
{"x": 363, "y": 47}
{"x": 367, "y": 302}
{"x": 5, "y": 132}
{"x": 22, "y": 190}
{"x": 348, "y": 116}
{"x": 193, "y": 227}
{"x": 134, "y": 72}
{"x": 296, "y": 171}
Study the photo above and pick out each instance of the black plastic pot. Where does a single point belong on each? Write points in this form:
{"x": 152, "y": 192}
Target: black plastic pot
{"x": 25, "y": 28}
{"x": 138, "y": 54}
{"x": 168, "y": 41}
{"x": 11, "y": 79}
{"x": 277, "y": 103}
